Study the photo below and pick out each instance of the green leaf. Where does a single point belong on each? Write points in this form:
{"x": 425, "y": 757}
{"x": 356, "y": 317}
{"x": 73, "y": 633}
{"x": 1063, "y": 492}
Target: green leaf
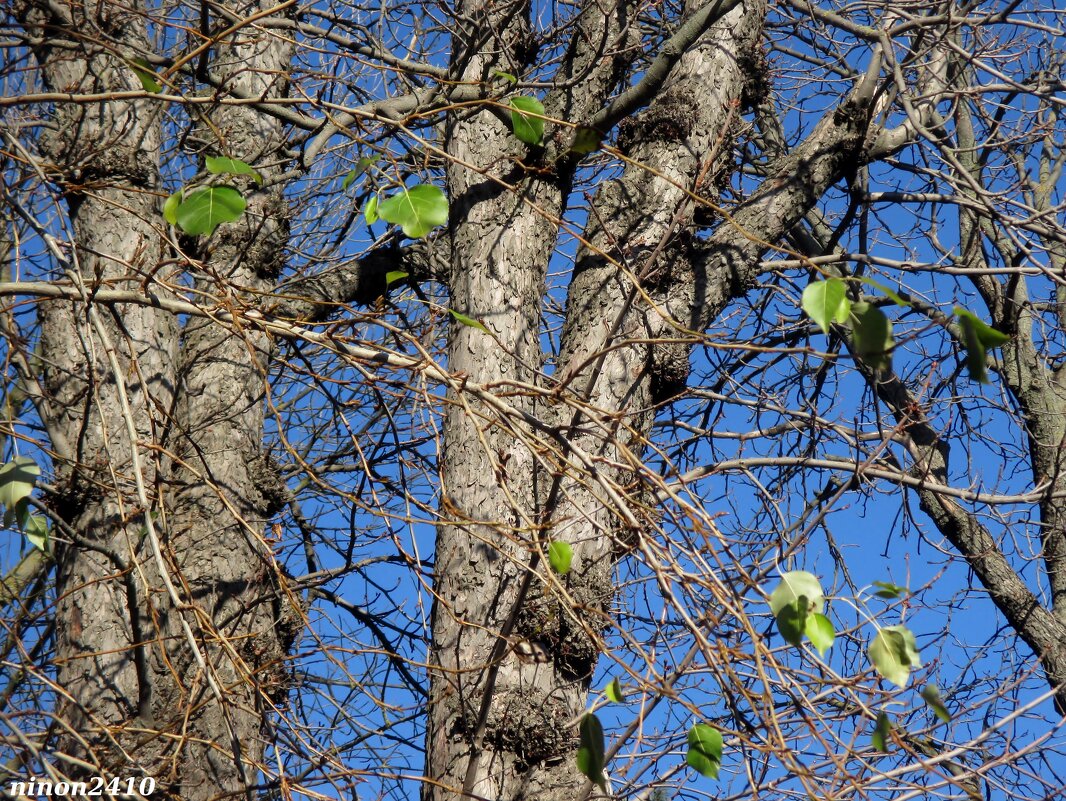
{"x": 146, "y": 75}
{"x": 560, "y": 554}
{"x": 361, "y": 166}
{"x": 888, "y": 590}
{"x": 931, "y": 694}
{"x": 792, "y": 620}
{"x": 826, "y": 302}
{"x": 613, "y": 691}
{"x": 794, "y": 584}
{"x": 881, "y": 730}
{"x": 170, "y": 207}
{"x": 590, "y": 754}
{"x": 894, "y": 652}
{"x": 36, "y": 530}
{"x": 704, "y": 750}
{"x": 205, "y": 209}
{"x": 18, "y": 514}
{"x": 392, "y": 276}
{"x": 988, "y": 336}
{"x": 17, "y": 479}
{"x": 892, "y": 295}
{"x": 505, "y": 75}
{"x": 872, "y": 334}
{"x": 585, "y": 140}
{"x": 527, "y": 128}
{"x": 975, "y": 352}
{"x": 978, "y": 338}
{"x": 821, "y": 633}
{"x": 224, "y": 165}
{"x": 370, "y": 210}
{"x": 417, "y": 210}
{"x": 470, "y": 321}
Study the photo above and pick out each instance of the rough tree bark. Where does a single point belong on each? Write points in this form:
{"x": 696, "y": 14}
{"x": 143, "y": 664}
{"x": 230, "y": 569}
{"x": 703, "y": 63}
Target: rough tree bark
{"x": 172, "y": 618}
{"x": 500, "y": 724}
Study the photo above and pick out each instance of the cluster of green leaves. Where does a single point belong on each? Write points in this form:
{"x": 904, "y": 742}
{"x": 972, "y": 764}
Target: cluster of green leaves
{"x": 798, "y": 605}
{"x": 417, "y": 209}
{"x": 17, "y": 480}
{"x": 704, "y": 750}
{"x": 704, "y": 754}
{"x": 827, "y": 302}
{"x": 527, "y": 124}
{"x": 200, "y": 210}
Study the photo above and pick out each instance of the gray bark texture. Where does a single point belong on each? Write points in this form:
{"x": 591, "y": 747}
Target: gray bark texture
{"x": 501, "y": 725}
{"x": 173, "y": 622}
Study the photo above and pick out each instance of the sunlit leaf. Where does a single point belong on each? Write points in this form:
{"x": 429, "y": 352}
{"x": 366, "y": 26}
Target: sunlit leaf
{"x": 505, "y": 75}
{"x": 560, "y": 554}
{"x": 468, "y": 321}
{"x": 590, "y": 754}
{"x": 17, "y": 479}
{"x": 894, "y": 652}
{"x": 224, "y": 165}
{"x": 170, "y": 207}
{"x": 417, "y": 210}
{"x": 704, "y": 750}
{"x": 826, "y": 302}
{"x": 820, "y": 632}
{"x": 793, "y": 584}
{"x": 205, "y": 209}
{"x": 931, "y": 694}
{"x": 370, "y": 210}
{"x": 889, "y": 590}
{"x": 36, "y": 531}
{"x": 392, "y": 276}
{"x": 613, "y": 691}
{"x": 527, "y": 128}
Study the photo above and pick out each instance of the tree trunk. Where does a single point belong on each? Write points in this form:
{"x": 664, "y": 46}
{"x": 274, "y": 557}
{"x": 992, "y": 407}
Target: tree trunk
{"x": 513, "y": 664}
{"x": 172, "y": 624}
{"x": 481, "y": 736}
